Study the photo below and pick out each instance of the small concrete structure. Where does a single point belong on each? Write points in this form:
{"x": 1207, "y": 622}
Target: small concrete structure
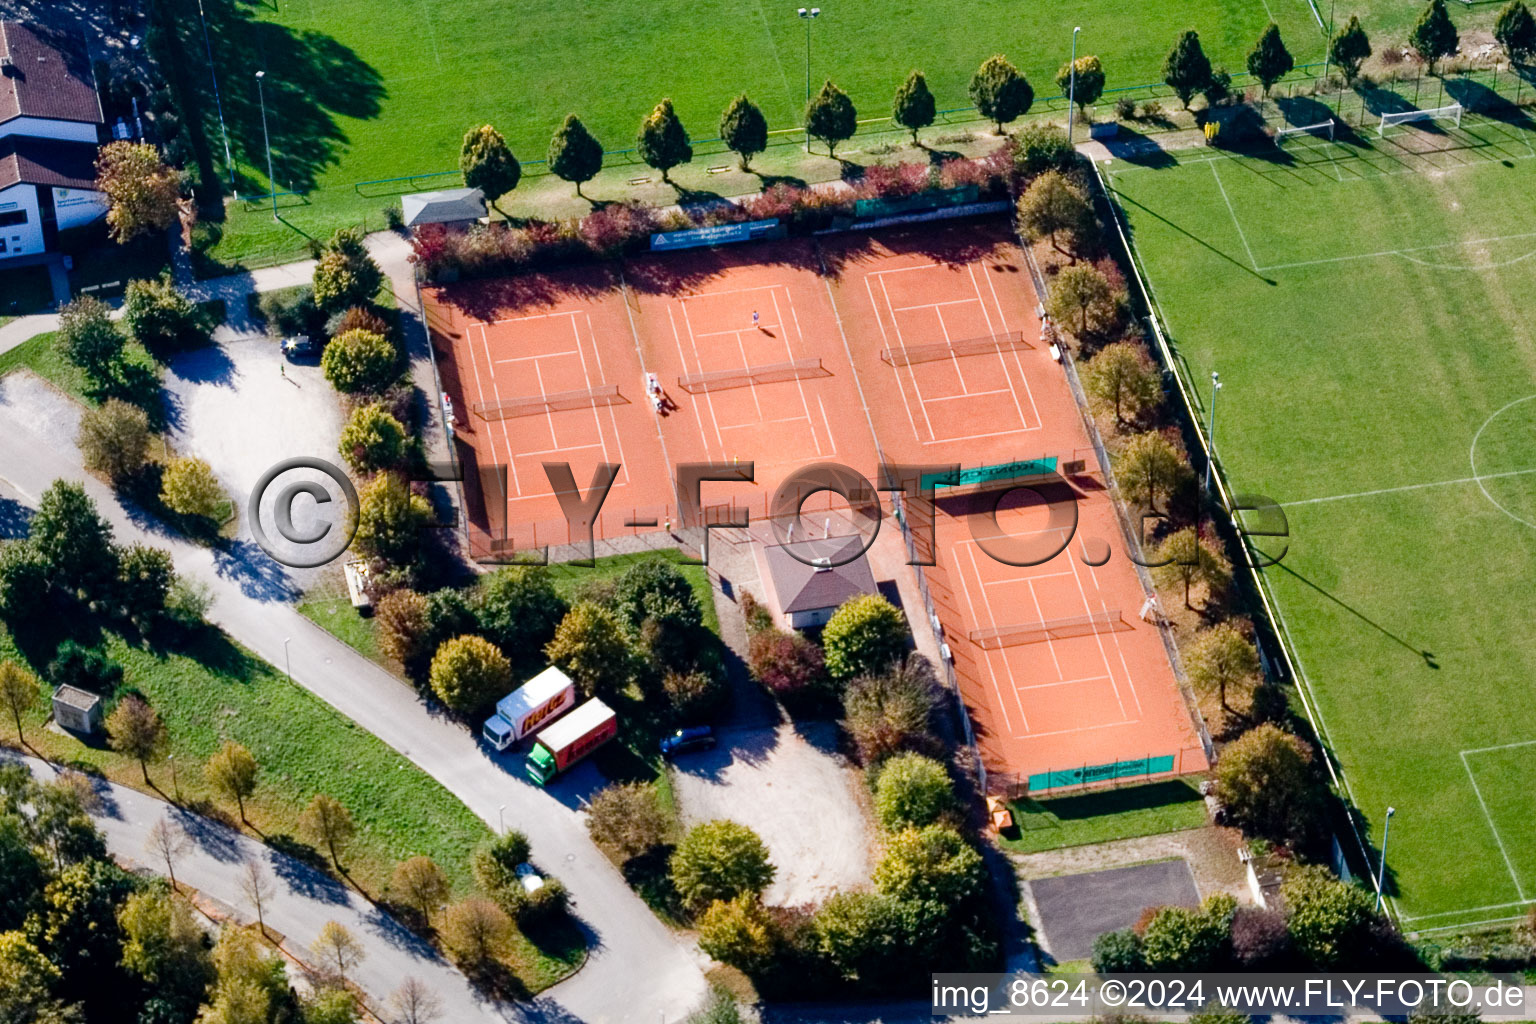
{"x": 77, "y": 710}
{"x": 808, "y": 594}
{"x": 450, "y": 206}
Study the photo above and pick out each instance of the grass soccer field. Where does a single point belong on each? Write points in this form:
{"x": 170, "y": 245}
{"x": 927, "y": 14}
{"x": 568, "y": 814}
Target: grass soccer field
{"x": 1366, "y": 303}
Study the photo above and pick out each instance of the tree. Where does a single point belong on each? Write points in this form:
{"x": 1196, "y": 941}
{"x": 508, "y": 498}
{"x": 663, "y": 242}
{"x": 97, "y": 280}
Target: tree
{"x": 1052, "y": 204}
{"x": 421, "y": 884}
{"x": 475, "y": 931}
{"x": 75, "y": 926}
{"x": 1040, "y": 146}
{"x": 1327, "y": 919}
{"x": 488, "y": 164}
{"x": 720, "y": 860}
{"x": 1265, "y": 780}
{"x": 495, "y": 861}
{"x": 720, "y": 1008}
{"x": 189, "y": 488}
{"x": 331, "y": 1006}
{"x": 1515, "y": 30}
{"x": 345, "y": 274}
{"x": 257, "y": 888}
{"x": 1269, "y": 60}
{"x": 590, "y": 647}
{"x": 390, "y": 519}
{"x": 73, "y": 539}
{"x": 893, "y": 711}
{"x": 865, "y": 636}
{"x": 162, "y": 319}
{"x": 26, "y": 577}
{"x": 695, "y": 696}
{"x": 626, "y": 820}
{"x": 912, "y": 791}
{"x": 19, "y": 691}
{"x": 27, "y": 980}
{"x": 142, "y": 191}
{"x": 163, "y": 944}
{"x": 1188, "y": 558}
{"x": 1217, "y": 1014}
{"x": 89, "y": 339}
{"x": 1186, "y": 69}
{"x": 788, "y": 664}
{"x": 1149, "y": 466}
{"x": 233, "y": 771}
{"x": 414, "y": 1002}
{"x": 326, "y": 821}
{"x": 914, "y": 107}
{"x": 468, "y": 673}
{"x": 519, "y": 611}
{"x": 167, "y": 841}
{"x": 402, "y": 618}
{"x": 574, "y": 155}
{"x": 1351, "y": 47}
{"x": 1118, "y": 952}
{"x": 931, "y": 863}
{"x": 372, "y": 439}
{"x": 662, "y": 140}
{"x": 1088, "y": 85}
{"x": 831, "y": 117}
{"x": 1000, "y": 92}
{"x": 744, "y": 130}
{"x": 656, "y": 589}
{"x": 1185, "y": 939}
{"x": 144, "y": 579}
{"x": 250, "y": 980}
{"x": 135, "y": 730}
{"x": 1221, "y": 656}
{"x": 740, "y": 933}
{"x": 114, "y": 439}
{"x": 1434, "y": 36}
{"x": 22, "y": 869}
{"x": 861, "y": 936}
{"x": 1082, "y": 297}
{"x": 360, "y": 362}
{"x": 1121, "y": 377}
{"x": 338, "y": 949}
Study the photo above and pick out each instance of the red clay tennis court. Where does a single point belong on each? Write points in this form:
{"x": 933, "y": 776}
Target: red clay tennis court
{"x": 751, "y": 361}
{"x": 550, "y": 377}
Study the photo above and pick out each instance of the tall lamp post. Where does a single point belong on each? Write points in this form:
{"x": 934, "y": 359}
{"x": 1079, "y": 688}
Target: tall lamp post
{"x": 1072, "y": 86}
{"x": 808, "y": 14}
{"x": 287, "y": 661}
{"x": 1210, "y": 427}
{"x": 1381, "y": 874}
{"x": 229, "y": 160}
{"x": 267, "y": 139}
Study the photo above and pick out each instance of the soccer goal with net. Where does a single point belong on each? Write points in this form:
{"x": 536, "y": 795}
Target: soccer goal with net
{"x": 1321, "y": 130}
{"x": 1451, "y": 113}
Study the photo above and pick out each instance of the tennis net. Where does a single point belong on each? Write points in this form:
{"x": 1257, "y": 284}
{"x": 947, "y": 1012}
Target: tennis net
{"x": 559, "y": 401}
{"x": 905, "y": 355}
{"x": 1107, "y": 621}
{"x": 767, "y": 373}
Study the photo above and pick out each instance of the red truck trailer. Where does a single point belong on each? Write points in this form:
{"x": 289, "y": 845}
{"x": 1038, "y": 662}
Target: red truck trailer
{"x": 570, "y": 739}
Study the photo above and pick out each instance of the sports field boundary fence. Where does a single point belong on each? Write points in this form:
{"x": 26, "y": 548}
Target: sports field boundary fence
{"x": 1276, "y": 622}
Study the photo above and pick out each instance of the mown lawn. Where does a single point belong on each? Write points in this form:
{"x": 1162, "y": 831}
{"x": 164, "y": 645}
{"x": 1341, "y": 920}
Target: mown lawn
{"x": 41, "y": 355}
{"x": 1088, "y": 818}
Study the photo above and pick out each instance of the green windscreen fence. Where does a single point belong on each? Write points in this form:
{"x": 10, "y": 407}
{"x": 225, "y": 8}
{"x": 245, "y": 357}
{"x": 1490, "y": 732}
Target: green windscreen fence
{"x": 1088, "y": 774}
{"x": 989, "y": 474}
{"x": 867, "y": 209}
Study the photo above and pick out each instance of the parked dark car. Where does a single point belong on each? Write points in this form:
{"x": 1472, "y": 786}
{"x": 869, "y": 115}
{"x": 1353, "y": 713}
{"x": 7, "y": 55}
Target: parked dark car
{"x": 300, "y": 345}
{"x": 684, "y": 741}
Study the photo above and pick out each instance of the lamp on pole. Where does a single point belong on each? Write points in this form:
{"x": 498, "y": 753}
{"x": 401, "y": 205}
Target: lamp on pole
{"x": 808, "y": 14}
{"x": 175, "y": 782}
{"x": 501, "y": 819}
{"x": 1210, "y": 428}
{"x": 1381, "y": 874}
{"x": 261, "y": 96}
{"x": 287, "y": 661}
{"x": 1072, "y": 86}
{"x": 1328, "y": 45}
{"x": 229, "y": 162}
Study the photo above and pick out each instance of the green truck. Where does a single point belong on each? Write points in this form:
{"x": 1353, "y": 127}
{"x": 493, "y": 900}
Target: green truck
{"x": 570, "y": 739}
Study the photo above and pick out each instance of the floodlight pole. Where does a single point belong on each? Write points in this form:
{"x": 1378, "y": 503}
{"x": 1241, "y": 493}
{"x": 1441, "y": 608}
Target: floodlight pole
{"x": 229, "y": 162}
{"x": 1328, "y": 43}
{"x": 267, "y": 138}
{"x": 1381, "y": 874}
{"x": 1210, "y": 428}
{"x": 1072, "y": 85}
{"x": 808, "y": 14}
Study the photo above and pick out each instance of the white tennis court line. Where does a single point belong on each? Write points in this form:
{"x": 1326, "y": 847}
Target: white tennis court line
{"x": 736, "y": 333}
{"x": 1065, "y": 682}
{"x": 1407, "y": 487}
{"x": 885, "y": 342}
{"x": 474, "y": 364}
{"x": 572, "y": 313}
{"x": 896, "y": 326}
{"x": 541, "y": 355}
{"x": 997, "y": 689}
{"x": 1018, "y": 361}
{"x": 1488, "y": 816}
{"x": 682, "y": 356}
{"x": 930, "y": 305}
{"x": 789, "y": 352}
{"x": 1235, "y": 223}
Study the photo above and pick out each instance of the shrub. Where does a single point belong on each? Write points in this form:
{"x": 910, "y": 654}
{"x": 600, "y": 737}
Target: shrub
{"x": 892, "y": 712}
{"x": 788, "y": 664}
{"x": 85, "y": 668}
{"x": 626, "y": 820}
{"x": 390, "y": 519}
{"x": 356, "y": 318}
{"x": 189, "y": 488}
{"x": 345, "y": 274}
{"x": 360, "y": 362}
{"x": 1259, "y": 937}
{"x": 543, "y": 906}
{"x": 740, "y": 933}
{"x": 1125, "y": 108}
{"x": 161, "y": 318}
{"x": 720, "y": 860}
{"x": 912, "y": 791}
{"x": 494, "y": 862}
{"x": 1181, "y": 939}
{"x": 1118, "y": 952}
{"x": 403, "y": 625}
{"x": 865, "y": 636}
{"x": 694, "y": 696}
{"x": 932, "y": 863}
{"x": 468, "y": 674}
{"x": 590, "y": 646}
{"x": 89, "y": 339}
{"x": 372, "y": 439}
{"x": 1265, "y": 781}
{"x": 617, "y": 228}
{"x": 1328, "y": 920}
{"x": 114, "y": 439}
{"x": 289, "y": 311}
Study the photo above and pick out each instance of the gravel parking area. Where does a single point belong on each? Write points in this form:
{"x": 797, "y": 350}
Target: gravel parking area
{"x": 802, "y": 799}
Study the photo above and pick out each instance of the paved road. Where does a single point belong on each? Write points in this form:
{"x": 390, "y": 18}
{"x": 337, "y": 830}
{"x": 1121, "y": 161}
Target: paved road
{"x": 302, "y": 900}
{"x": 639, "y": 971}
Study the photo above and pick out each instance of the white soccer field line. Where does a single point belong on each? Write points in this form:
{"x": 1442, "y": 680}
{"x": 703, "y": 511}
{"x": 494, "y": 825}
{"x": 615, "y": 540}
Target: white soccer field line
{"x": 1406, "y": 487}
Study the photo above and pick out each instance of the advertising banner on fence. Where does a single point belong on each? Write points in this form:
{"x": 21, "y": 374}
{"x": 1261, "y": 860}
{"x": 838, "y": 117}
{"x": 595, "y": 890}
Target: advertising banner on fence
{"x": 718, "y": 234}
